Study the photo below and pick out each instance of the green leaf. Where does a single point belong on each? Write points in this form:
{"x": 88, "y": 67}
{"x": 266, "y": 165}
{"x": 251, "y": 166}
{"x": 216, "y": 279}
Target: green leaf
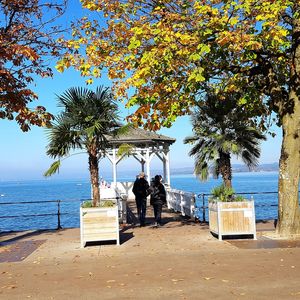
{"x": 242, "y": 101}
{"x": 89, "y": 118}
{"x": 125, "y": 149}
{"x": 91, "y": 131}
{"x": 134, "y": 44}
{"x": 196, "y": 75}
{"x": 195, "y": 57}
{"x": 205, "y": 49}
{"x": 53, "y": 169}
{"x": 124, "y": 129}
{"x": 157, "y": 31}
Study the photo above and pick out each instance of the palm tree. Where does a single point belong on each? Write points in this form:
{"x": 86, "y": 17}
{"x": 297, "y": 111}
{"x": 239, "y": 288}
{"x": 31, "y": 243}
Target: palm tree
{"x": 88, "y": 117}
{"x": 221, "y": 129}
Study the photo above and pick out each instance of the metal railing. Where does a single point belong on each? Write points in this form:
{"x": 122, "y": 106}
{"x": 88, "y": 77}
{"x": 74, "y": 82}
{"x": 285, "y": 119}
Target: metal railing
{"x": 204, "y": 207}
{"x": 185, "y": 204}
{"x": 57, "y": 212}
{"x": 57, "y": 209}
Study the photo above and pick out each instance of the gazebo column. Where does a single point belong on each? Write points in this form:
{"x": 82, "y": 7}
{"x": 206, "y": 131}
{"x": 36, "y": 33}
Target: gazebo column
{"x": 167, "y": 163}
{"x": 114, "y": 164}
{"x": 165, "y": 168}
{"x": 165, "y": 158}
{"x": 148, "y": 164}
{"x": 142, "y": 161}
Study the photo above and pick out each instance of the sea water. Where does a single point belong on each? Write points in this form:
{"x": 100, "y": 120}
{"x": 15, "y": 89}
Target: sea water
{"x": 72, "y": 192}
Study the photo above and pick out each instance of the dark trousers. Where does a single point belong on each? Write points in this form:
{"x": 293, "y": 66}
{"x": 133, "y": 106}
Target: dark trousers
{"x": 157, "y": 212}
{"x": 141, "y": 205}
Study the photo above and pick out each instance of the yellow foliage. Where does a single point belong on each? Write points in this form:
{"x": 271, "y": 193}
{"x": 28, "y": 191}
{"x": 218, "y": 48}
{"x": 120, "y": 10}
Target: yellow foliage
{"x": 89, "y": 81}
{"x": 60, "y": 67}
{"x": 167, "y": 54}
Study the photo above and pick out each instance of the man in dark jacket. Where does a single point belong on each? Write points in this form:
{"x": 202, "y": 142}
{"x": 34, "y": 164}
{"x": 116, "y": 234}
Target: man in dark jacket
{"x": 157, "y": 199}
{"x": 140, "y": 190}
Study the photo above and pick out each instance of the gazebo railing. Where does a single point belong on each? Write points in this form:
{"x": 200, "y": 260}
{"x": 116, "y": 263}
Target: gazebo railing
{"x": 180, "y": 201}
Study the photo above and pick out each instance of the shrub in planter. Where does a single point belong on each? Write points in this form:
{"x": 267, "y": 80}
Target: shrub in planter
{"x": 103, "y": 203}
{"x": 230, "y": 214}
{"x": 99, "y": 223}
{"x": 225, "y": 194}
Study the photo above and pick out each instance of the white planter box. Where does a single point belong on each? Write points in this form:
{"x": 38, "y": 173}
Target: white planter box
{"x": 99, "y": 224}
{"x": 232, "y": 218}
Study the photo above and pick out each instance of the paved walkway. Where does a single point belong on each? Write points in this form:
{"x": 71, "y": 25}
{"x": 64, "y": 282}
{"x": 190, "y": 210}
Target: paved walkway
{"x": 181, "y": 260}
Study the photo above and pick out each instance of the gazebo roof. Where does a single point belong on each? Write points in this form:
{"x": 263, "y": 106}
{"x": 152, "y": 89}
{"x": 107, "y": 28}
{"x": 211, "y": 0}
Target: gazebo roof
{"x": 140, "y": 137}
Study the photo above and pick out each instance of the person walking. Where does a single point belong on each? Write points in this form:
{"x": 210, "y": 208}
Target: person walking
{"x": 157, "y": 198}
{"x": 141, "y": 190}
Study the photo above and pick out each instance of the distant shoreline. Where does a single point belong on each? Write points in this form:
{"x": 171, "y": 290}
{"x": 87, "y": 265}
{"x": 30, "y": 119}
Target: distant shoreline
{"x": 122, "y": 175}
{"x": 236, "y": 168}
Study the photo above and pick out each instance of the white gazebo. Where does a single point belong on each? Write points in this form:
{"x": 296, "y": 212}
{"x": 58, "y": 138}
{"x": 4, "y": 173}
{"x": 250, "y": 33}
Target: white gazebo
{"x": 144, "y": 146}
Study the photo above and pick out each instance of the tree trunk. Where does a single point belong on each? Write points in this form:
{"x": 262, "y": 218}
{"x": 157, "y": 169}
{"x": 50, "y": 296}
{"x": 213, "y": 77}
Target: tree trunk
{"x": 94, "y": 175}
{"x": 288, "y": 189}
{"x": 225, "y": 168}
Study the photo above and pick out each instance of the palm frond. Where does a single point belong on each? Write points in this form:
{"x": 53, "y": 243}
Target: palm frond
{"x": 202, "y": 171}
{"x": 54, "y": 168}
{"x": 62, "y": 139}
{"x": 124, "y": 129}
{"x": 125, "y": 149}
{"x": 249, "y": 159}
{"x": 198, "y": 147}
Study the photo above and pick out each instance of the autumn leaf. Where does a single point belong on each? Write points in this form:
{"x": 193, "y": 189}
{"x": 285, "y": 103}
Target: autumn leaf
{"x": 208, "y": 278}
{"x": 26, "y": 46}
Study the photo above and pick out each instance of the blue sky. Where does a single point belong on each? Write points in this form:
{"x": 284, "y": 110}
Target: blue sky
{"x": 22, "y": 155}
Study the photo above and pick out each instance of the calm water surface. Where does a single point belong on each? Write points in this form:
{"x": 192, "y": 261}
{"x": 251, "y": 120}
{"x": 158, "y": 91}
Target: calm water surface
{"x": 71, "y": 192}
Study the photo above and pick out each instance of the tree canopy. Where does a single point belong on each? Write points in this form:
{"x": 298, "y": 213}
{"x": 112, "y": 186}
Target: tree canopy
{"x": 170, "y": 52}
{"x": 28, "y": 40}
{"x": 220, "y": 130}
{"x": 86, "y": 121}
{"x": 173, "y": 49}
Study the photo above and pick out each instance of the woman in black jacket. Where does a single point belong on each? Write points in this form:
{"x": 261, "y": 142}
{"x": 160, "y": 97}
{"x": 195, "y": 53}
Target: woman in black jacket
{"x": 157, "y": 198}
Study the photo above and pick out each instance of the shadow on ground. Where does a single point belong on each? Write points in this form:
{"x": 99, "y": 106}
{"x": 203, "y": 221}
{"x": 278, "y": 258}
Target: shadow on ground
{"x": 14, "y": 236}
